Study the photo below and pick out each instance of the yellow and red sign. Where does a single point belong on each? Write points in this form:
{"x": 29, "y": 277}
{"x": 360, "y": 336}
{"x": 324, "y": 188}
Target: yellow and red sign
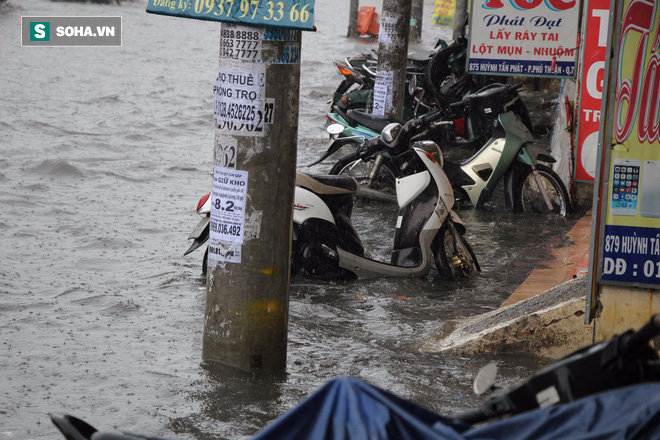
{"x": 444, "y": 12}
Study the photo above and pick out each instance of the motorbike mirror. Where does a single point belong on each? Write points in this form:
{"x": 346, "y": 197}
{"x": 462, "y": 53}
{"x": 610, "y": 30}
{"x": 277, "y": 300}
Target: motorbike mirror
{"x": 335, "y": 129}
{"x": 412, "y": 85}
{"x": 485, "y": 379}
{"x": 441, "y": 43}
{"x": 390, "y": 131}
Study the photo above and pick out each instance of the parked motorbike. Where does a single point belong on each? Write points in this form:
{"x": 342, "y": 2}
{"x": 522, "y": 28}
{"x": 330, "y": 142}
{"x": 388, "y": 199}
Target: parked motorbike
{"x": 355, "y": 92}
{"x": 623, "y": 360}
{"x": 325, "y": 243}
{"x": 495, "y": 119}
{"x": 433, "y": 82}
{"x": 453, "y": 138}
{"x": 607, "y": 390}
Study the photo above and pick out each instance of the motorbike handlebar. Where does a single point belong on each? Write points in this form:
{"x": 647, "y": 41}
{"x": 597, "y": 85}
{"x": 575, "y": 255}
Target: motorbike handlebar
{"x": 403, "y": 136}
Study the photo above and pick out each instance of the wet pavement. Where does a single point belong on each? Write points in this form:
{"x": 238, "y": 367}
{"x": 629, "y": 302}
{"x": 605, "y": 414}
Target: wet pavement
{"x": 105, "y": 154}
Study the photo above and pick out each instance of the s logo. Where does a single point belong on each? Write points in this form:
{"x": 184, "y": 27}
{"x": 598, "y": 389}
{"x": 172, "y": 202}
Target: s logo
{"x": 39, "y": 31}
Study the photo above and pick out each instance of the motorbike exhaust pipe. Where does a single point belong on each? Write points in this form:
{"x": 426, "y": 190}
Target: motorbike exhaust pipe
{"x": 372, "y": 194}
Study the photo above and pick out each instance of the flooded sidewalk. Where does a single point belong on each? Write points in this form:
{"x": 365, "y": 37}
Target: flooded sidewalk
{"x": 543, "y": 317}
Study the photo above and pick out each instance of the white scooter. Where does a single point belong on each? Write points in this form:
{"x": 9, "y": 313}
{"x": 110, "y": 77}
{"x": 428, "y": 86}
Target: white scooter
{"x": 325, "y": 243}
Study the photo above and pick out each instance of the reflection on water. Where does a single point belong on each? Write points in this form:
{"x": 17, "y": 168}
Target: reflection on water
{"x": 105, "y": 154}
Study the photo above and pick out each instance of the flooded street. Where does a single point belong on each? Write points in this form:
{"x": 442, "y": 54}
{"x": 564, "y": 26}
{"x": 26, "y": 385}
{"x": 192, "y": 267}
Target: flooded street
{"x": 105, "y": 154}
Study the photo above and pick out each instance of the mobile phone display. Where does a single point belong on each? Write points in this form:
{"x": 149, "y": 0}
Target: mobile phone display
{"x": 625, "y": 186}
{"x": 649, "y": 189}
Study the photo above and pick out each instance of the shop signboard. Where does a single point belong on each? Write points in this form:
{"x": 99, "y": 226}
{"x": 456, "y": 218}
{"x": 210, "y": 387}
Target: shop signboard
{"x": 625, "y": 243}
{"x": 594, "y": 43}
{"x": 444, "y": 11}
{"x": 631, "y": 246}
{"x": 524, "y": 38}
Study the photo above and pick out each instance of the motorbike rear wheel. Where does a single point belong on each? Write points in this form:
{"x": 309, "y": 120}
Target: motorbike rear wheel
{"x": 527, "y": 196}
{"x": 351, "y": 165}
{"x": 453, "y": 255}
{"x": 308, "y": 259}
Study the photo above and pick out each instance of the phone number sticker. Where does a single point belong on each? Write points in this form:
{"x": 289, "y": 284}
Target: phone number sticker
{"x": 290, "y": 14}
{"x": 220, "y": 253}
{"x": 228, "y": 204}
{"x": 237, "y": 94}
{"x": 265, "y": 113}
{"x": 240, "y": 42}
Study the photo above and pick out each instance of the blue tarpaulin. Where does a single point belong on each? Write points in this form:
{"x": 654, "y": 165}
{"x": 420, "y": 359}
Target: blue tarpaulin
{"x": 347, "y": 408}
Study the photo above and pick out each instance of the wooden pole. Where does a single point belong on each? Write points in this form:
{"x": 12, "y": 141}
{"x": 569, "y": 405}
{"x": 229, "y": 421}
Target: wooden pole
{"x": 390, "y": 85}
{"x": 256, "y": 110}
{"x": 353, "y": 18}
{"x": 460, "y": 14}
{"x": 416, "y": 19}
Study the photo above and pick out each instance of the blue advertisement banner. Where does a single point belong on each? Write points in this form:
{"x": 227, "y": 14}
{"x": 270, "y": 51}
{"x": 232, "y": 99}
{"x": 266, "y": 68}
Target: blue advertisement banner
{"x": 287, "y": 14}
{"x": 631, "y": 254}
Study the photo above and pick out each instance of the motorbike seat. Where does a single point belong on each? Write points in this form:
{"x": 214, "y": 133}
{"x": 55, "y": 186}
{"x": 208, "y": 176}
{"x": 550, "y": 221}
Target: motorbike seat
{"x": 366, "y": 120}
{"x": 328, "y": 184}
{"x": 417, "y": 64}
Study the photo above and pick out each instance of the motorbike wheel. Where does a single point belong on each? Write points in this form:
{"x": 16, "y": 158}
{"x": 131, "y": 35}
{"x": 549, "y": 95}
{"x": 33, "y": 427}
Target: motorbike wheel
{"x": 453, "y": 255}
{"x": 351, "y": 165}
{"x": 527, "y": 196}
{"x": 310, "y": 261}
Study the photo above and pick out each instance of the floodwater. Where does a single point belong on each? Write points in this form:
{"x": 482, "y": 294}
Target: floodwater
{"x": 105, "y": 152}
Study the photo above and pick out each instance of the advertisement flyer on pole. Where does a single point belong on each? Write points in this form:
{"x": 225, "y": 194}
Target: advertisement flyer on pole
{"x": 383, "y": 92}
{"x": 228, "y": 201}
{"x": 631, "y": 237}
{"x": 523, "y": 38}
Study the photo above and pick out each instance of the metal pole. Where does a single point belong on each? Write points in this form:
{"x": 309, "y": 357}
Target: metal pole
{"x": 256, "y": 109}
{"x": 460, "y": 14}
{"x": 416, "y": 19}
{"x": 353, "y": 18}
{"x": 390, "y": 85}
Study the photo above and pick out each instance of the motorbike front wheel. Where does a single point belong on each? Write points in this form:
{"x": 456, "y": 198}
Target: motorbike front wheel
{"x": 351, "y": 165}
{"x": 528, "y": 197}
{"x": 453, "y": 256}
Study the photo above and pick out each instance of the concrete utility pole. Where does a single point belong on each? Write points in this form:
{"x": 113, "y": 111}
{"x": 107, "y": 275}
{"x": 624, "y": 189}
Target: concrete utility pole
{"x": 390, "y": 84}
{"x": 256, "y": 98}
{"x": 460, "y": 14}
{"x": 416, "y": 19}
{"x": 352, "y": 19}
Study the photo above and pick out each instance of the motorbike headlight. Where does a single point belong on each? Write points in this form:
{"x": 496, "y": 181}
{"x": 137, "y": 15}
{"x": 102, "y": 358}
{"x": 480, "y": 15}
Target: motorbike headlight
{"x": 432, "y": 151}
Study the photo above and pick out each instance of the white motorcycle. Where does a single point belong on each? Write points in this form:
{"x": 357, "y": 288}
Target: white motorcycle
{"x": 325, "y": 243}
{"x": 427, "y": 231}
